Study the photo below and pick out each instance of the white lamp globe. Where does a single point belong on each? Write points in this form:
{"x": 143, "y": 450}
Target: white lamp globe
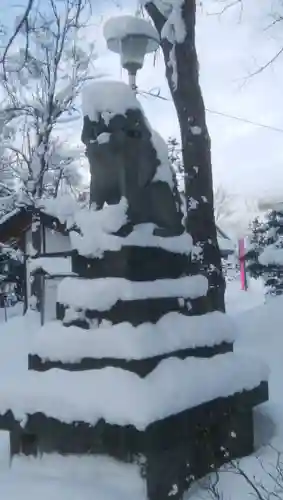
{"x": 132, "y": 38}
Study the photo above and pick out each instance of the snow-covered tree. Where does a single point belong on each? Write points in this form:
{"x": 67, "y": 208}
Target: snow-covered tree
{"x": 265, "y": 252}
{"x": 12, "y": 269}
{"x": 256, "y": 244}
{"x": 41, "y": 79}
{"x": 223, "y": 204}
{"x": 44, "y": 65}
{"x": 175, "y": 157}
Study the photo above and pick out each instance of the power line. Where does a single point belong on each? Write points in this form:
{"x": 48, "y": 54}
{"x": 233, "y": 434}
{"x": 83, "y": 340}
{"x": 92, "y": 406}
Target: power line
{"x": 220, "y": 113}
{"x": 245, "y": 120}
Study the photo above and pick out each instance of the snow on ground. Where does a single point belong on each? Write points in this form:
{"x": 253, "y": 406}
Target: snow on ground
{"x": 259, "y": 334}
{"x": 15, "y": 339}
{"x": 238, "y": 301}
{"x": 11, "y": 312}
{"x": 71, "y": 478}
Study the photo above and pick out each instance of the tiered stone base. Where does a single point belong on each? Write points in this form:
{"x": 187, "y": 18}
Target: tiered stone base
{"x": 137, "y": 311}
{"x": 133, "y": 263}
{"x": 172, "y": 453}
{"x": 141, "y": 367}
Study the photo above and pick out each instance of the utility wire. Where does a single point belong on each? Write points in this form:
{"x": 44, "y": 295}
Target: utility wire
{"x": 219, "y": 113}
{"x": 245, "y": 120}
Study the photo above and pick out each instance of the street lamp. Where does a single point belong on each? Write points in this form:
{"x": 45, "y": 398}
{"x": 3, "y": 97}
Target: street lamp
{"x": 132, "y": 38}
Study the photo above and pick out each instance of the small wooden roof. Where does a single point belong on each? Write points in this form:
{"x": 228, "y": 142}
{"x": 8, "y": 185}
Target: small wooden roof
{"x": 14, "y": 225}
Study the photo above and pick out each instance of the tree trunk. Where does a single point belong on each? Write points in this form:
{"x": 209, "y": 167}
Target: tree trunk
{"x": 183, "y": 80}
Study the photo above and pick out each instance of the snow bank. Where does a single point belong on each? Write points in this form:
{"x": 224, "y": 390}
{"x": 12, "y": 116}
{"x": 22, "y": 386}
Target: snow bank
{"x": 121, "y": 397}
{"x": 238, "y": 301}
{"x": 108, "y": 98}
{"x": 172, "y": 332}
{"x": 260, "y": 334}
{"x": 51, "y": 265}
{"x": 103, "y": 293}
{"x": 70, "y": 478}
{"x": 96, "y": 228}
{"x": 16, "y": 336}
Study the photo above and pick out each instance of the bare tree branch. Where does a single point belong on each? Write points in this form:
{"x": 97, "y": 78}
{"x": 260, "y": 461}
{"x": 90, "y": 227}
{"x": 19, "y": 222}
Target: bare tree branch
{"x": 23, "y": 21}
{"x": 268, "y": 63}
{"x": 38, "y": 94}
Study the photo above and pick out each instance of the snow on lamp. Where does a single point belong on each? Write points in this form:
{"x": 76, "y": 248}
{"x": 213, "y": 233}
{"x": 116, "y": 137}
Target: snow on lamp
{"x": 132, "y": 38}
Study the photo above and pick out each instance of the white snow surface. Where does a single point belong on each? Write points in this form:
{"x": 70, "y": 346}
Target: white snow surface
{"x": 86, "y": 478}
{"x": 103, "y": 293}
{"x": 68, "y": 478}
{"x": 96, "y": 228}
{"x": 172, "y": 332}
{"x": 63, "y": 207}
{"x": 122, "y": 397}
{"x": 271, "y": 255}
{"x": 108, "y": 98}
{"x": 120, "y": 27}
{"x": 51, "y": 265}
{"x": 239, "y": 301}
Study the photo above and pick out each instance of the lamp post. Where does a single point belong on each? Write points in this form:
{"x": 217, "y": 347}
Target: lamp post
{"x": 132, "y": 38}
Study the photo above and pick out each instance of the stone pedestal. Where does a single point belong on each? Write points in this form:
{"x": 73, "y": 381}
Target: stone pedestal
{"x": 172, "y": 451}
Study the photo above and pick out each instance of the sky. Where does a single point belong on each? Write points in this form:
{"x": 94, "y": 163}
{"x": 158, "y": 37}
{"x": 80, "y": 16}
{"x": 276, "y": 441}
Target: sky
{"x": 247, "y": 160}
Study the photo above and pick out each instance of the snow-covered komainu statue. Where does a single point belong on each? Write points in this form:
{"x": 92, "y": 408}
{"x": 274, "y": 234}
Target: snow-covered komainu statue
{"x": 128, "y": 159}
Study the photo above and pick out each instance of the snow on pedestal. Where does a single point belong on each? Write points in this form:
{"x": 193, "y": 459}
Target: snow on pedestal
{"x": 122, "y": 398}
{"x": 102, "y": 294}
{"x": 172, "y": 332}
{"x": 97, "y": 228}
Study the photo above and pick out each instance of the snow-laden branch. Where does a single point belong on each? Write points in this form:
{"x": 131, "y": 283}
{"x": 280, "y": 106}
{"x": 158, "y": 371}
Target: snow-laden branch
{"x": 40, "y": 86}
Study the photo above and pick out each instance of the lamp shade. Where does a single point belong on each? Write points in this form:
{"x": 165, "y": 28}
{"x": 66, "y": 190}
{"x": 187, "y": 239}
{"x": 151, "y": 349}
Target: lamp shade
{"x": 132, "y": 38}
